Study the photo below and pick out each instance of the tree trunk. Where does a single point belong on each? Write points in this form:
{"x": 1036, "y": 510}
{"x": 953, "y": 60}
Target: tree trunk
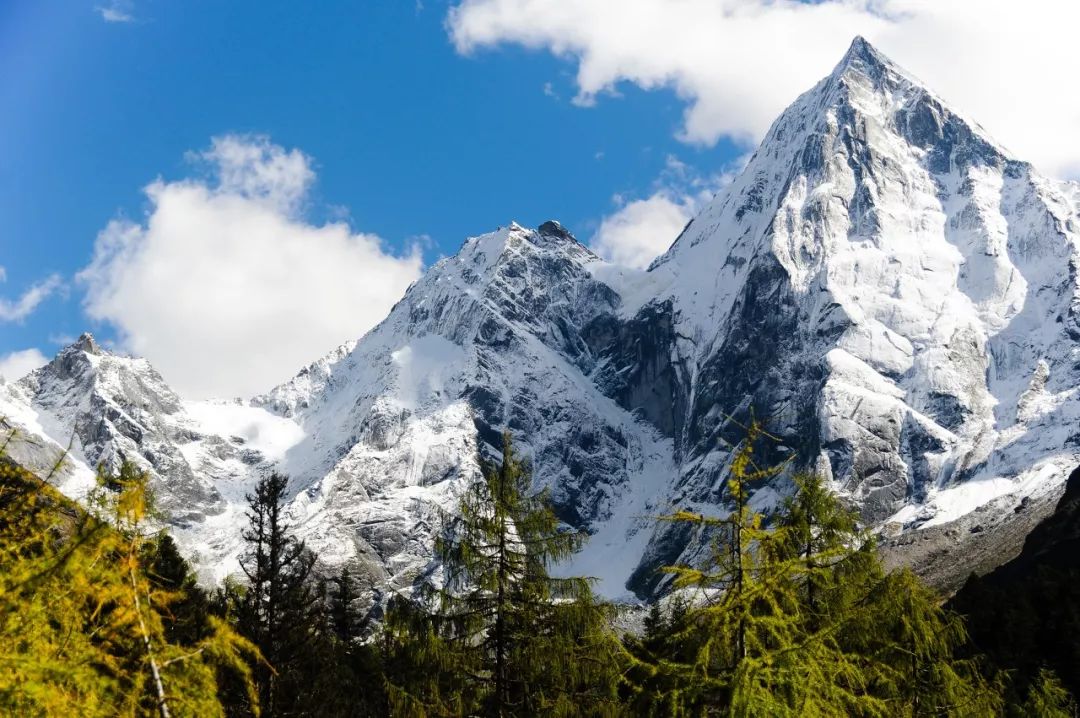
{"x": 163, "y": 705}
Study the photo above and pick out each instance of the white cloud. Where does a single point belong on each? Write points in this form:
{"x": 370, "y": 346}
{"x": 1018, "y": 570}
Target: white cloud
{"x": 18, "y": 364}
{"x": 252, "y": 167}
{"x": 225, "y": 288}
{"x": 738, "y": 63}
{"x": 639, "y": 230}
{"x": 19, "y": 309}
{"x": 117, "y": 11}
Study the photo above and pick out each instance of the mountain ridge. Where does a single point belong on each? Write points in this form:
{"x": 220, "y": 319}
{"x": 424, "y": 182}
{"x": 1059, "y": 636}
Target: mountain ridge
{"x": 892, "y": 289}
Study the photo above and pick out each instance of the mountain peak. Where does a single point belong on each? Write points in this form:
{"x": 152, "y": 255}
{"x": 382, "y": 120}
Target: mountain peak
{"x": 864, "y": 55}
{"x": 864, "y": 60}
{"x": 86, "y": 343}
{"x": 553, "y": 228}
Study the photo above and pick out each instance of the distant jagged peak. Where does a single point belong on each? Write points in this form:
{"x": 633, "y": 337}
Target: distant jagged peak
{"x": 488, "y": 251}
{"x": 85, "y": 367}
{"x": 863, "y": 57}
{"x": 85, "y": 343}
{"x": 553, "y": 231}
{"x": 87, "y": 348}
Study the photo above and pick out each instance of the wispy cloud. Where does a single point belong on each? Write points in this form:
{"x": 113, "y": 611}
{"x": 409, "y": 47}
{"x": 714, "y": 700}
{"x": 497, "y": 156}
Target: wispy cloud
{"x": 117, "y": 11}
{"x": 18, "y": 309}
{"x": 62, "y": 340}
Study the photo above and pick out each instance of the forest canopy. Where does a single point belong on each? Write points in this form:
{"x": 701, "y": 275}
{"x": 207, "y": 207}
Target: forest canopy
{"x": 788, "y": 615}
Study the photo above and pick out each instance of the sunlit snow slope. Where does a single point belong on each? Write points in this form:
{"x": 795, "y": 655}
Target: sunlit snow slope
{"x": 894, "y": 292}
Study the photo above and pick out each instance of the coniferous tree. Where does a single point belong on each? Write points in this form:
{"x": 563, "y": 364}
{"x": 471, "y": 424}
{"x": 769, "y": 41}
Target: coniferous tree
{"x": 1047, "y": 698}
{"x": 743, "y": 626}
{"x": 355, "y": 669}
{"x": 346, "y": 621}
{"x": 822, "y": 534}
{"x": 83, "y": 625}
{"x": 167, "y": 570}
{"x": 798, "y": 618}
{"x": 912, "y": 646}
{"x": 281, "y": 609}
{"x": 520, "y": 641}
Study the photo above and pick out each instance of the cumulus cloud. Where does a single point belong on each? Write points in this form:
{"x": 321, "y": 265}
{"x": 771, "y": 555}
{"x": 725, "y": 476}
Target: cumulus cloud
{"x": 15, "y": 310}
{"x": 16, "y": 365}
{"x": 256, "y": 169}
{"x": 738, "y": 63}
{"x": 641, "y": 229}
{"x": 225, "y": 287}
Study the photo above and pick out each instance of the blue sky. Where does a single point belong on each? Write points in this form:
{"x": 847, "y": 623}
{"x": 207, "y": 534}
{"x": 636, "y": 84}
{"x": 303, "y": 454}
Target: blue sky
{"x": 418, "y": 123}
{"x": 406, "y": 135}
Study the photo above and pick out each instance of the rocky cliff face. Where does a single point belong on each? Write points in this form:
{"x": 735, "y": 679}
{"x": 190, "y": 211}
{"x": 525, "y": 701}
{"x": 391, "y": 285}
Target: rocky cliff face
{"x": 90, "y": 407}
{"x": 892, "y": 290}
{"x": 508, "y": 334}
{"x": 896, "y": 293}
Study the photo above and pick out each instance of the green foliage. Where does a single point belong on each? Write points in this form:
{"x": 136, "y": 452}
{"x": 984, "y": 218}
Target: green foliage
{"x": 347, "y": 623}
{"x": 791, "y": 617}
{"x": 505, "y": 638}
{"x": 85, "y": 629}
{"x": 798, "y": 618}
{"x": 1047, "y": 698}
{"x": 306, "y": 627}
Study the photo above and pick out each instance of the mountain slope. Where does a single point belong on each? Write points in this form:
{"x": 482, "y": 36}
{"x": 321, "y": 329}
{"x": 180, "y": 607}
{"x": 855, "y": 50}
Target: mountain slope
{"x": 896, "y": 292}
{"x": 90, "y": 407}
{"x": 893, "y": 291}
{"x": 1023, "y": 615}
{"x": 495, "y": 337}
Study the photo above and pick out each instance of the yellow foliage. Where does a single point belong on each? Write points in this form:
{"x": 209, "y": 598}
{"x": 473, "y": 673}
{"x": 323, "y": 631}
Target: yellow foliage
{"x": 82, "y": 628}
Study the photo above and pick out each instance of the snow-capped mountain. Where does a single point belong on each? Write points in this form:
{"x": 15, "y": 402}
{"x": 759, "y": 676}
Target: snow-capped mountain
{"x": 90, "y": 407}
{"x": 893, "y": 291}
{"x": 897, "y": 293}
{"x": 501, "y": 336}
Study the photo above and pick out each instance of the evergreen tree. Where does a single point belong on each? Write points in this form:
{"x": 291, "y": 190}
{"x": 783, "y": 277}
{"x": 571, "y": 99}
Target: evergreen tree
{"x": 912, "y": 647}
{"x": 281, "y": 609}
{"x": 744, "y": 625}
{"x": 818, "y": 531}
{"x": 186, "y": 620}
{"x": 520, "y": 641}
{"x": 1047, "y": 698}
{"x": 347, "y": 624}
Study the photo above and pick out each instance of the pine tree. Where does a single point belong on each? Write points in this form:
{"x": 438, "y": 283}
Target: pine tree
{"x": 167, "y": 570}
{"x": 347, "y": 624}
{"x": 818, "y": 531}
{"x": 912, "y": 646}
{"x": 280, "y": 609}
{"x": 521, "y": 642}
{"x": 744, "y": 612}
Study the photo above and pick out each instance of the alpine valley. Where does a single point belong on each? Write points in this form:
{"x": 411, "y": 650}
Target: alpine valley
{"x": 891, "y": 291}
